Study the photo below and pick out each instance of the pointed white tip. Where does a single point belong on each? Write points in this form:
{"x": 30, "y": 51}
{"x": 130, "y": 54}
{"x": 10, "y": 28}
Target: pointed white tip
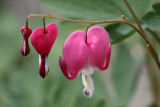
{"x": 39, "y": 59}
{"x": 46, "y": 65}
{"x": 24, "y": 47}
{"x": 89, "y": 86}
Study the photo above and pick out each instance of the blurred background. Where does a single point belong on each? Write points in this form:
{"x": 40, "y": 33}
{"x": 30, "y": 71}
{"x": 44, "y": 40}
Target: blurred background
{"x": 132, "y": 79}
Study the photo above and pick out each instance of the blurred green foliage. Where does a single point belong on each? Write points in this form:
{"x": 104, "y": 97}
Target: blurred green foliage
{"x": 152, "y": 19}
{"x": 20, "y": 83}
{"x": 106, "y": 10}
{"x": 119, "y": 32}
{"x": 124, "y": 77}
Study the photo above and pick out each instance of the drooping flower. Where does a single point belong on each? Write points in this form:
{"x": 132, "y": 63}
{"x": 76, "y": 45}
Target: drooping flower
{"x": 26, "y": 32}
{"x": 42, "y": 40}
{"x": 84, "y": 58}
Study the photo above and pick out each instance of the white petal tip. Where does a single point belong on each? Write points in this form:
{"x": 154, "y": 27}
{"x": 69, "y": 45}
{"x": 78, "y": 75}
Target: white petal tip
{"x": 24, "y": 47}
{"x": 39, "y": 59}
{"x": 46, "y": 65}
{"x": 87, "y": 93}
{"x": 89, "y": 86}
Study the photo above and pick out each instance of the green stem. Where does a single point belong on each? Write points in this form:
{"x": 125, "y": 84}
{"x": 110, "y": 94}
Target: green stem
{"x": 149, "y": 45}
{"x": 134, "y": 16}
{"x": 152, "y": 50}
{"x": 87, "y": 30}
{"x": 44, "y": 25}
{"x": 154, "y": 79}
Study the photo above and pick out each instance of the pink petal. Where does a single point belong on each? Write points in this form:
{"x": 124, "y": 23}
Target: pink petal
{"x": 26, "y": 32}
{"x": 64, "y": 69}
{"x": 99, "y": 45}
{"x": 76, "y": 54}
{"x": 22, "y": 28}
{"x": 108, "y": 55}
{"x": 39, "y": 41}
{"x": 42, "y": 41}
{"x": 52, "y": 32}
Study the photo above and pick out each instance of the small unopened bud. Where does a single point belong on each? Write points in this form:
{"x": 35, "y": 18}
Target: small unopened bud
{"x": 26, "y": 32}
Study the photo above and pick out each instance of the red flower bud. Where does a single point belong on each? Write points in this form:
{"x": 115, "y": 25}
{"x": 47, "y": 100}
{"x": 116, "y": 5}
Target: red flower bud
{"x": 25, "y": 46}
{"x": 42, "y": 40}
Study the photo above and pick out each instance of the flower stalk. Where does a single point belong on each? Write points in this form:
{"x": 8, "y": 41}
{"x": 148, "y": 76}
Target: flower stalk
{"x": 149, "y": 45}
{"x": 87, "y": 30}
{"x": 44, "y": 25}
{"x": 140, "y": 30}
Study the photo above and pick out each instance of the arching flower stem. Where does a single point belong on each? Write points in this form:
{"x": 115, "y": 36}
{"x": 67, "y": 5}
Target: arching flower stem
{"x": 153, "y": 52}
{"x": 143, "y": 35}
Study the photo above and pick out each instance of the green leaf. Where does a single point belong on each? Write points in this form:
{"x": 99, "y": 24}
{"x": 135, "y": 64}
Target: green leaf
{"x": 96, "y": 9}
{"x": 152, "y": 19}
{"x": 118, "y": 32}
{"x": 123, "y": 75}
{"x": 156, "y": 7}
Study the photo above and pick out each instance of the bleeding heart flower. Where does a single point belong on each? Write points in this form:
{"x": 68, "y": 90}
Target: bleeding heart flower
{"x": 26, "y": 32}
{"x": 42, "y": 40}
{"x": 81, "y": 57}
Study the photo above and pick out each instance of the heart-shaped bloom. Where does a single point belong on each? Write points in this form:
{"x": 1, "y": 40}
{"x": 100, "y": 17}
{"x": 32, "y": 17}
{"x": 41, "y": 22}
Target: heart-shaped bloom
{"x": 26, "y": 32}
{"x": 42, "y": 40}
{"x": 84, "y": 58}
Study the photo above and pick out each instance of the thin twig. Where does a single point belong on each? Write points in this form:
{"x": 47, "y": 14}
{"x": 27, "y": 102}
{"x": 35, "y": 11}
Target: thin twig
{"x": 87, "y": 30}
{"x": 154, "y": 78}
{"x": 149, "y": 45}
{"x": 44, "y": 24}
{"x": 153, "y": 52}
{"x": 134, "y": 16}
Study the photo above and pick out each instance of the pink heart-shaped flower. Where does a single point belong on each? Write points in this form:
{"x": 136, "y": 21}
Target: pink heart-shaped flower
{"x": 42, "y": 40}
{"x": 82, "y": 57}
{"x": 79, "y": 54}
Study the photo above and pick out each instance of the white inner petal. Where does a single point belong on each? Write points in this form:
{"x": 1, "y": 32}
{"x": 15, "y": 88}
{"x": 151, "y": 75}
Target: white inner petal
{"x": 46, "y": 65}
{"x": 89, "y": 86}
{"x": 24, "y": 47}
{"x": 39, "y": 59}
{"x": 87, "y": 69}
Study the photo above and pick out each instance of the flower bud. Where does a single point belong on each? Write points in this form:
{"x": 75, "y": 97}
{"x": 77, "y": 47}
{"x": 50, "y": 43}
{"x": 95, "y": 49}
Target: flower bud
{"x": 26, "y": 32}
